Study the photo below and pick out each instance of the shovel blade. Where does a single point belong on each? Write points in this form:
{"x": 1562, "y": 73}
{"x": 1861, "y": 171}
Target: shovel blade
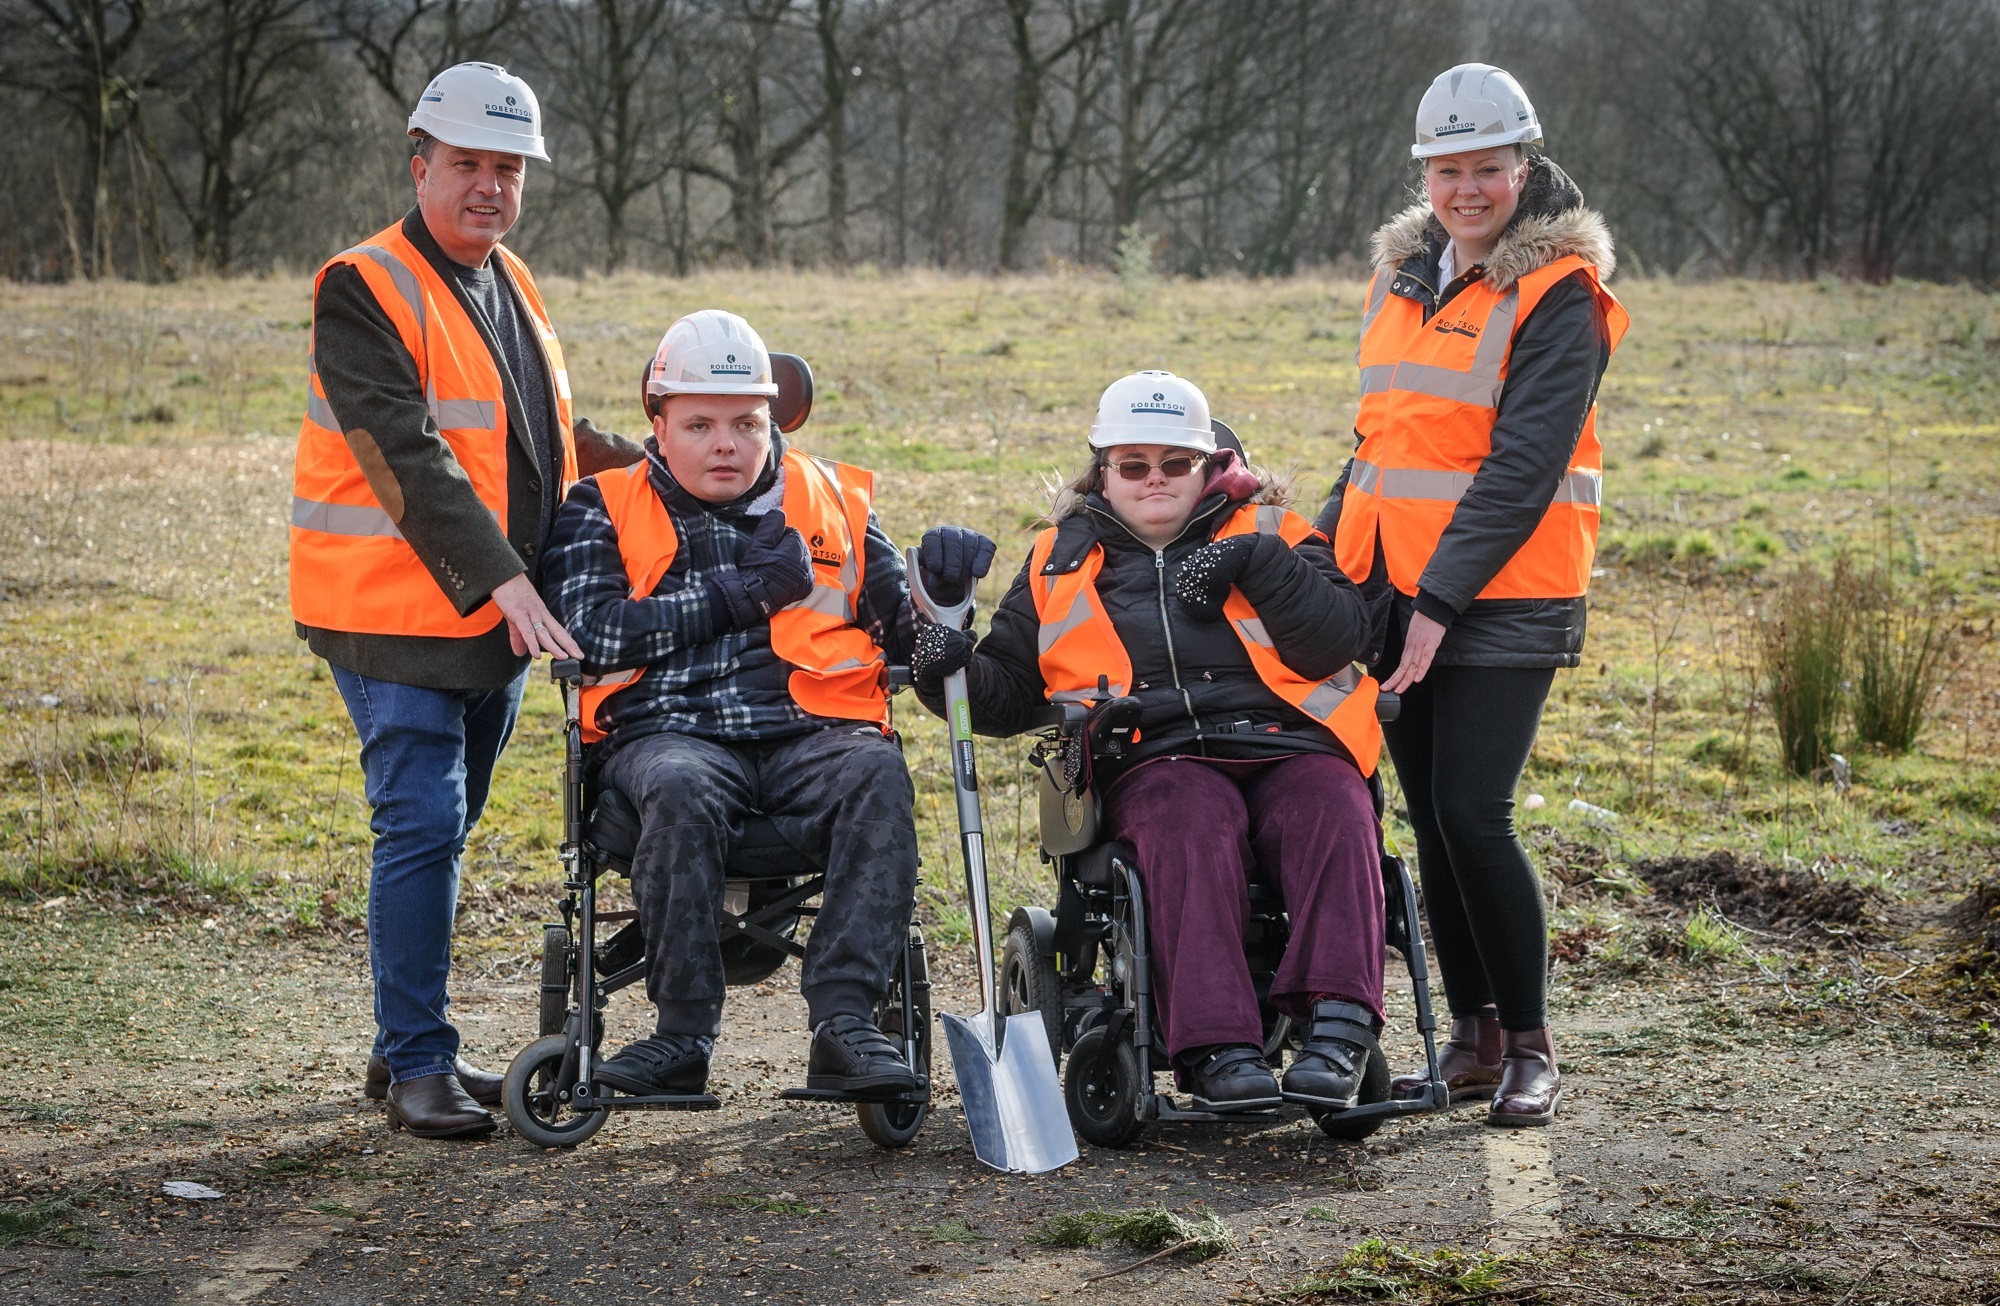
{"x": 1013, "y": 1104}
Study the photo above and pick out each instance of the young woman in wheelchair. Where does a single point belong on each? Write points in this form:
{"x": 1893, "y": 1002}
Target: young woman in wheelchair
{"x": 1172, "y": 573}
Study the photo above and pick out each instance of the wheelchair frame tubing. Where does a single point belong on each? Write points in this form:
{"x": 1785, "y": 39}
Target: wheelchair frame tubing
{"x": 1139, "y": 984}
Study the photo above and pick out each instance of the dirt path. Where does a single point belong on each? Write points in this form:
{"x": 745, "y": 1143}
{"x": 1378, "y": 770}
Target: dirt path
{"x": 1712, "y": 1151}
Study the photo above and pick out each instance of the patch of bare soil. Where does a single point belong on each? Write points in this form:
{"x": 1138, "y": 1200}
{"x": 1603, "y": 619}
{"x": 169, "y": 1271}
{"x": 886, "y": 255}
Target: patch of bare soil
{"x": 1798, "y": 901}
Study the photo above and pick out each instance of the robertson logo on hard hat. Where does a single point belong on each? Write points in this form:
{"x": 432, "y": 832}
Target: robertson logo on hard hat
{"x": 1455, "y": 127}
{"x": 1160, "y": 404}
{"x": 729, "y": 367}
{"x": 511, "y": 111}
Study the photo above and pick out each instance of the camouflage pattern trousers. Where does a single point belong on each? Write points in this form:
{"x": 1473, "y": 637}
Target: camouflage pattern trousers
{"x": 841, "y": 796}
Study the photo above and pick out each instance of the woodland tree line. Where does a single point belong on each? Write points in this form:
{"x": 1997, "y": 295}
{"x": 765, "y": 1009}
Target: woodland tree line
{"x": 161, "y": 138}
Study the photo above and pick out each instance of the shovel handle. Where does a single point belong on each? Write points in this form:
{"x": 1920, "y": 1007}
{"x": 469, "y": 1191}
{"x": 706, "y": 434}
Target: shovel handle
{"x": 964, "y": 786}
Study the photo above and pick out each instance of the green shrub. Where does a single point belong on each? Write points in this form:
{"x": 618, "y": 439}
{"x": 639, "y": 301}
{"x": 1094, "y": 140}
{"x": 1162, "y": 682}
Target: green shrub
{"x": 1802, "y": 641}
{"x": 1902, "y": 647}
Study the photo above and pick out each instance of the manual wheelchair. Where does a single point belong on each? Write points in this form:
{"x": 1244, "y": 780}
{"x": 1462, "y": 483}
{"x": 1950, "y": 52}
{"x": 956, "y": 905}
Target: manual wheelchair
{"x": 549, "y": 1095}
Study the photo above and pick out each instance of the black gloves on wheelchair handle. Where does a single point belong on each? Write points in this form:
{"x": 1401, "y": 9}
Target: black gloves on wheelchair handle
{"x": 951, "y": 559}
{"x": 1203, "y": 585}
{"x": 774, "y": 572}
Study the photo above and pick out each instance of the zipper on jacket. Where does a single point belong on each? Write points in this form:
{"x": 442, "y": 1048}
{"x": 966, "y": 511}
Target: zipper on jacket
{"x": 1167, "y": 626}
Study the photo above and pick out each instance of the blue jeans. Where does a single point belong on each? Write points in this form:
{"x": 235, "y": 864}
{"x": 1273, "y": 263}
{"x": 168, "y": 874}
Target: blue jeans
{"x": 427, "y": 758}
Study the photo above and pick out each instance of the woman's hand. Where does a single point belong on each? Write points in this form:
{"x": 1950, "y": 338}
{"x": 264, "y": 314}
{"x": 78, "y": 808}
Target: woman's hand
{"x": 1420, "y": 645}
{"x": 531, "y": 628}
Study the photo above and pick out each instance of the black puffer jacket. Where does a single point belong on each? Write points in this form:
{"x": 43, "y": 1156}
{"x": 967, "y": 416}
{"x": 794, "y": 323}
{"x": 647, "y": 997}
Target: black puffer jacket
{"x": 1558, "y": 357}
{"x": 1201, "y": 694}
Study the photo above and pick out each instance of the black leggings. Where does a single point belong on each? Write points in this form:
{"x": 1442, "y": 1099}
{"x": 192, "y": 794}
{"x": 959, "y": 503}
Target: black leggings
{"x": 1459, "y": 746}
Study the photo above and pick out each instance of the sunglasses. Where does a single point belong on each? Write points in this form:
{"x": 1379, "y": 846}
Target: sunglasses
{"x": 1137, "y": 469}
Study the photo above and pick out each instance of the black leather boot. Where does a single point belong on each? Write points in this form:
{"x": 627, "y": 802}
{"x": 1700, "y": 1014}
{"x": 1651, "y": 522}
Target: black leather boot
{"x": 437, "y": 1106}
{"x": 850, "y": 1055}
{"x": 663, "y": 1065}
{"x": 481, "y": 1086}
{"x": 1328, "y": 1070}
{"x": 1229, "y": 1077}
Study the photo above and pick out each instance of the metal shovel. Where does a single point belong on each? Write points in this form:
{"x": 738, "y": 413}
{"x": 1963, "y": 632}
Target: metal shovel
{"x": 1006, "y": 1072}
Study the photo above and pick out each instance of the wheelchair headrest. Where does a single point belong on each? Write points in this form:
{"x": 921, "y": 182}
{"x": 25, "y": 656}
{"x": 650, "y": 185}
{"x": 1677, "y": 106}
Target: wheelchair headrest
{"x": 791, "y": 374}
{"x": 1224, "y": 437}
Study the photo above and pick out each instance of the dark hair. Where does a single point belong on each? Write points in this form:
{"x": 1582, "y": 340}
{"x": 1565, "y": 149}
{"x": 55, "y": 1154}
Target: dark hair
{"x": 425, "y": 144}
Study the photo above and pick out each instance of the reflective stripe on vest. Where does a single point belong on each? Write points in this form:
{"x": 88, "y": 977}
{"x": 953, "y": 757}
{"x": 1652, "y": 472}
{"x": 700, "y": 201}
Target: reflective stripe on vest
{"x": 838, "y": 672}
{"x": 351, "y": 567}
{"x": 1078, "y": 644}
{"x": 1430, "y": 395}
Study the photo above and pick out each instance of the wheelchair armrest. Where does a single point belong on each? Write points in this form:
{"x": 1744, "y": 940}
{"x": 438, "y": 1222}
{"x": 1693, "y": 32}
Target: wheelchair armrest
{"x": 1388, "y": 706}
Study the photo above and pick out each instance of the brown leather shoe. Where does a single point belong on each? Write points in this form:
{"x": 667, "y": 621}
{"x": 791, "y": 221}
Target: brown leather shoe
{"x": 1469, "y": 1060}
{"x": 481, "y": 1086}
{"x": 436, "y": 1106}
{"x": 1530, "y": 1085}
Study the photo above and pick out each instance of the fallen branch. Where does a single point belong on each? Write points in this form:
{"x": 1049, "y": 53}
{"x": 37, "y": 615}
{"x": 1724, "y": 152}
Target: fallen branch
{"x": 1180, "y": 1246}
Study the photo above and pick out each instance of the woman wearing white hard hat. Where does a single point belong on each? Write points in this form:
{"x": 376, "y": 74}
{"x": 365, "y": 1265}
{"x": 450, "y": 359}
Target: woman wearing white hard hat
{"x": 1474, "y": 494}
{"x": 1172, "y": 572}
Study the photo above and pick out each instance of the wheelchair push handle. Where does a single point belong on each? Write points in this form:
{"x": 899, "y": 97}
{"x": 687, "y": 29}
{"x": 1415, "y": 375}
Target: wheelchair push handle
{"x": 1388, "y": 706}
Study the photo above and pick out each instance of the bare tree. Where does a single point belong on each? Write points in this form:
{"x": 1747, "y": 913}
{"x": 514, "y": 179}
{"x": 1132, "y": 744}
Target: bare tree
{"x": 402, "y": 44}
{"x": 1035, "y": 121}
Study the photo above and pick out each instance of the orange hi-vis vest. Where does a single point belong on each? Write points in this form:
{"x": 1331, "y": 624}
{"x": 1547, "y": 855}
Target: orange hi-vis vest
{"x": 1078, "y": 644}
{"x": 837, "y": 671}
{"x": 351, "y": 568}
{"x": 1430, "y": 393}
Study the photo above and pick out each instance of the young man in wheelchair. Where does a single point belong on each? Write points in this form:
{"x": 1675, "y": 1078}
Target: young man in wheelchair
{"x": 1172, "y": 573}
{"x": 737, "y": 605}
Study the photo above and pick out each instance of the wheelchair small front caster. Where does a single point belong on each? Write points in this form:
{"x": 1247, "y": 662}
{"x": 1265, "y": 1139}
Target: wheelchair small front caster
{"x": 1101, "y": 1088}
{"x": 537, "y": 1104}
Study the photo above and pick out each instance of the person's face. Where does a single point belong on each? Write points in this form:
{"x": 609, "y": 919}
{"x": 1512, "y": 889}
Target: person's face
{"x": 469, "y": 198}
{"x": 1475, "y": 194}
{"x": 1157, "y": 505}
{"x": 715, "y": 445}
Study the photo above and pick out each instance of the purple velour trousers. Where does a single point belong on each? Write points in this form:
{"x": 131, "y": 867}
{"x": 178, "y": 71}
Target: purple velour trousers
{"x": 1198, "y": 825}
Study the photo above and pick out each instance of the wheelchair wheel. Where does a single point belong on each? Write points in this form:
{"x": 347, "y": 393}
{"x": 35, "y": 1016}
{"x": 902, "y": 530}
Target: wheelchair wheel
{"x": 1028, "y": 980}
{"x": 895, "y": 1124}
{"x": 1374, "y": 1088}
{"x": 1101, "y": 1089}
{"x": 555, "y": 979}
{"x": 533, "y": 1108}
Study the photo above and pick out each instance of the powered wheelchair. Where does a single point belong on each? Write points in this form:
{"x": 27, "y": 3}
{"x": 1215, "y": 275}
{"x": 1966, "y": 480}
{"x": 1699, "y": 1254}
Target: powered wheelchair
{"x": 1085, "y": 966}
{"x": 550, "y": 1095}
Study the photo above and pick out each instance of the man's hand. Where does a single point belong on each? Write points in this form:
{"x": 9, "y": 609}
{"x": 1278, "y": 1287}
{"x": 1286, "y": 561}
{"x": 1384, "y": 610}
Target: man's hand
{"x": 531, "y": 628}
{"x": 951, "y": 559}
{"x": 1420, "y": 645}
{"x": 1203, "y": 585}
{"x": 774, "y": 572}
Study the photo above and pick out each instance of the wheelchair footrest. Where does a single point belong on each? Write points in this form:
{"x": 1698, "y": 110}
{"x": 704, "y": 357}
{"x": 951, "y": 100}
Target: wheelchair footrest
{"x": 920, "y": 1097}
{"x": 658, "y": 1102}
{"x": 1159, "y": 1106}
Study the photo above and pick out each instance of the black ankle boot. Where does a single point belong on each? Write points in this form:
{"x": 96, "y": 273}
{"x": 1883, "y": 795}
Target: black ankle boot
{"x": 1328, "y": 1070}
{"x": 1229, "y": 1077}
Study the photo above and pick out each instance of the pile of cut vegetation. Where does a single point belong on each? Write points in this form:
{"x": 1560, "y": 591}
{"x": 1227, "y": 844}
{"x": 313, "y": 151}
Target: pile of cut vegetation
{"x": 1798, "y": 901}
{"x": 1977, "y": 918}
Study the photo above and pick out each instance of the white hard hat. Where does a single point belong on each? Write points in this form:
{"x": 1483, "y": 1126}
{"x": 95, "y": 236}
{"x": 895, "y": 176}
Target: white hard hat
{"x": 1153, "y": 408}
{"x": 481, "y": 106}
{"x": 710, "y": 352}
{"x": 1474, "y": 106}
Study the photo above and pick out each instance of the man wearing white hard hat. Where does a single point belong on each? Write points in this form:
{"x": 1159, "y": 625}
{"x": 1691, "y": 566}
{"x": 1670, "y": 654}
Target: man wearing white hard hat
{"x": 1174, "y": 573}
{"x": 738, "y": 605}
{"x": 1473, "y": 495}
{"x": 435, "y": 448}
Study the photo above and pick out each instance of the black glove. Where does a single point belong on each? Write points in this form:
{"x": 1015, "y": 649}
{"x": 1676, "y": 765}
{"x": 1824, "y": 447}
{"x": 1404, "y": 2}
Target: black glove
{"x": 775, "y": 571}
{"x": 951, "y": 558}
{"x": 940, "y": 651}
{"x": 1206, "y": 576}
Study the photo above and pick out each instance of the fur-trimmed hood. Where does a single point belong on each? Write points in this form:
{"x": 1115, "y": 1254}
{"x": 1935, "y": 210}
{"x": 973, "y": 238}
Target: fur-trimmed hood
{"x": 1551, "y": 223}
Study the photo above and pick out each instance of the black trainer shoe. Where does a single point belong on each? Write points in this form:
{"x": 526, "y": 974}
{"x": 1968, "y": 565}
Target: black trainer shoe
{"x": 1328, "y": 1070}
{"x": 657, "y": 1066}
{"x": 850, "y": 1055}
{"x": 1229, "y": 1077}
